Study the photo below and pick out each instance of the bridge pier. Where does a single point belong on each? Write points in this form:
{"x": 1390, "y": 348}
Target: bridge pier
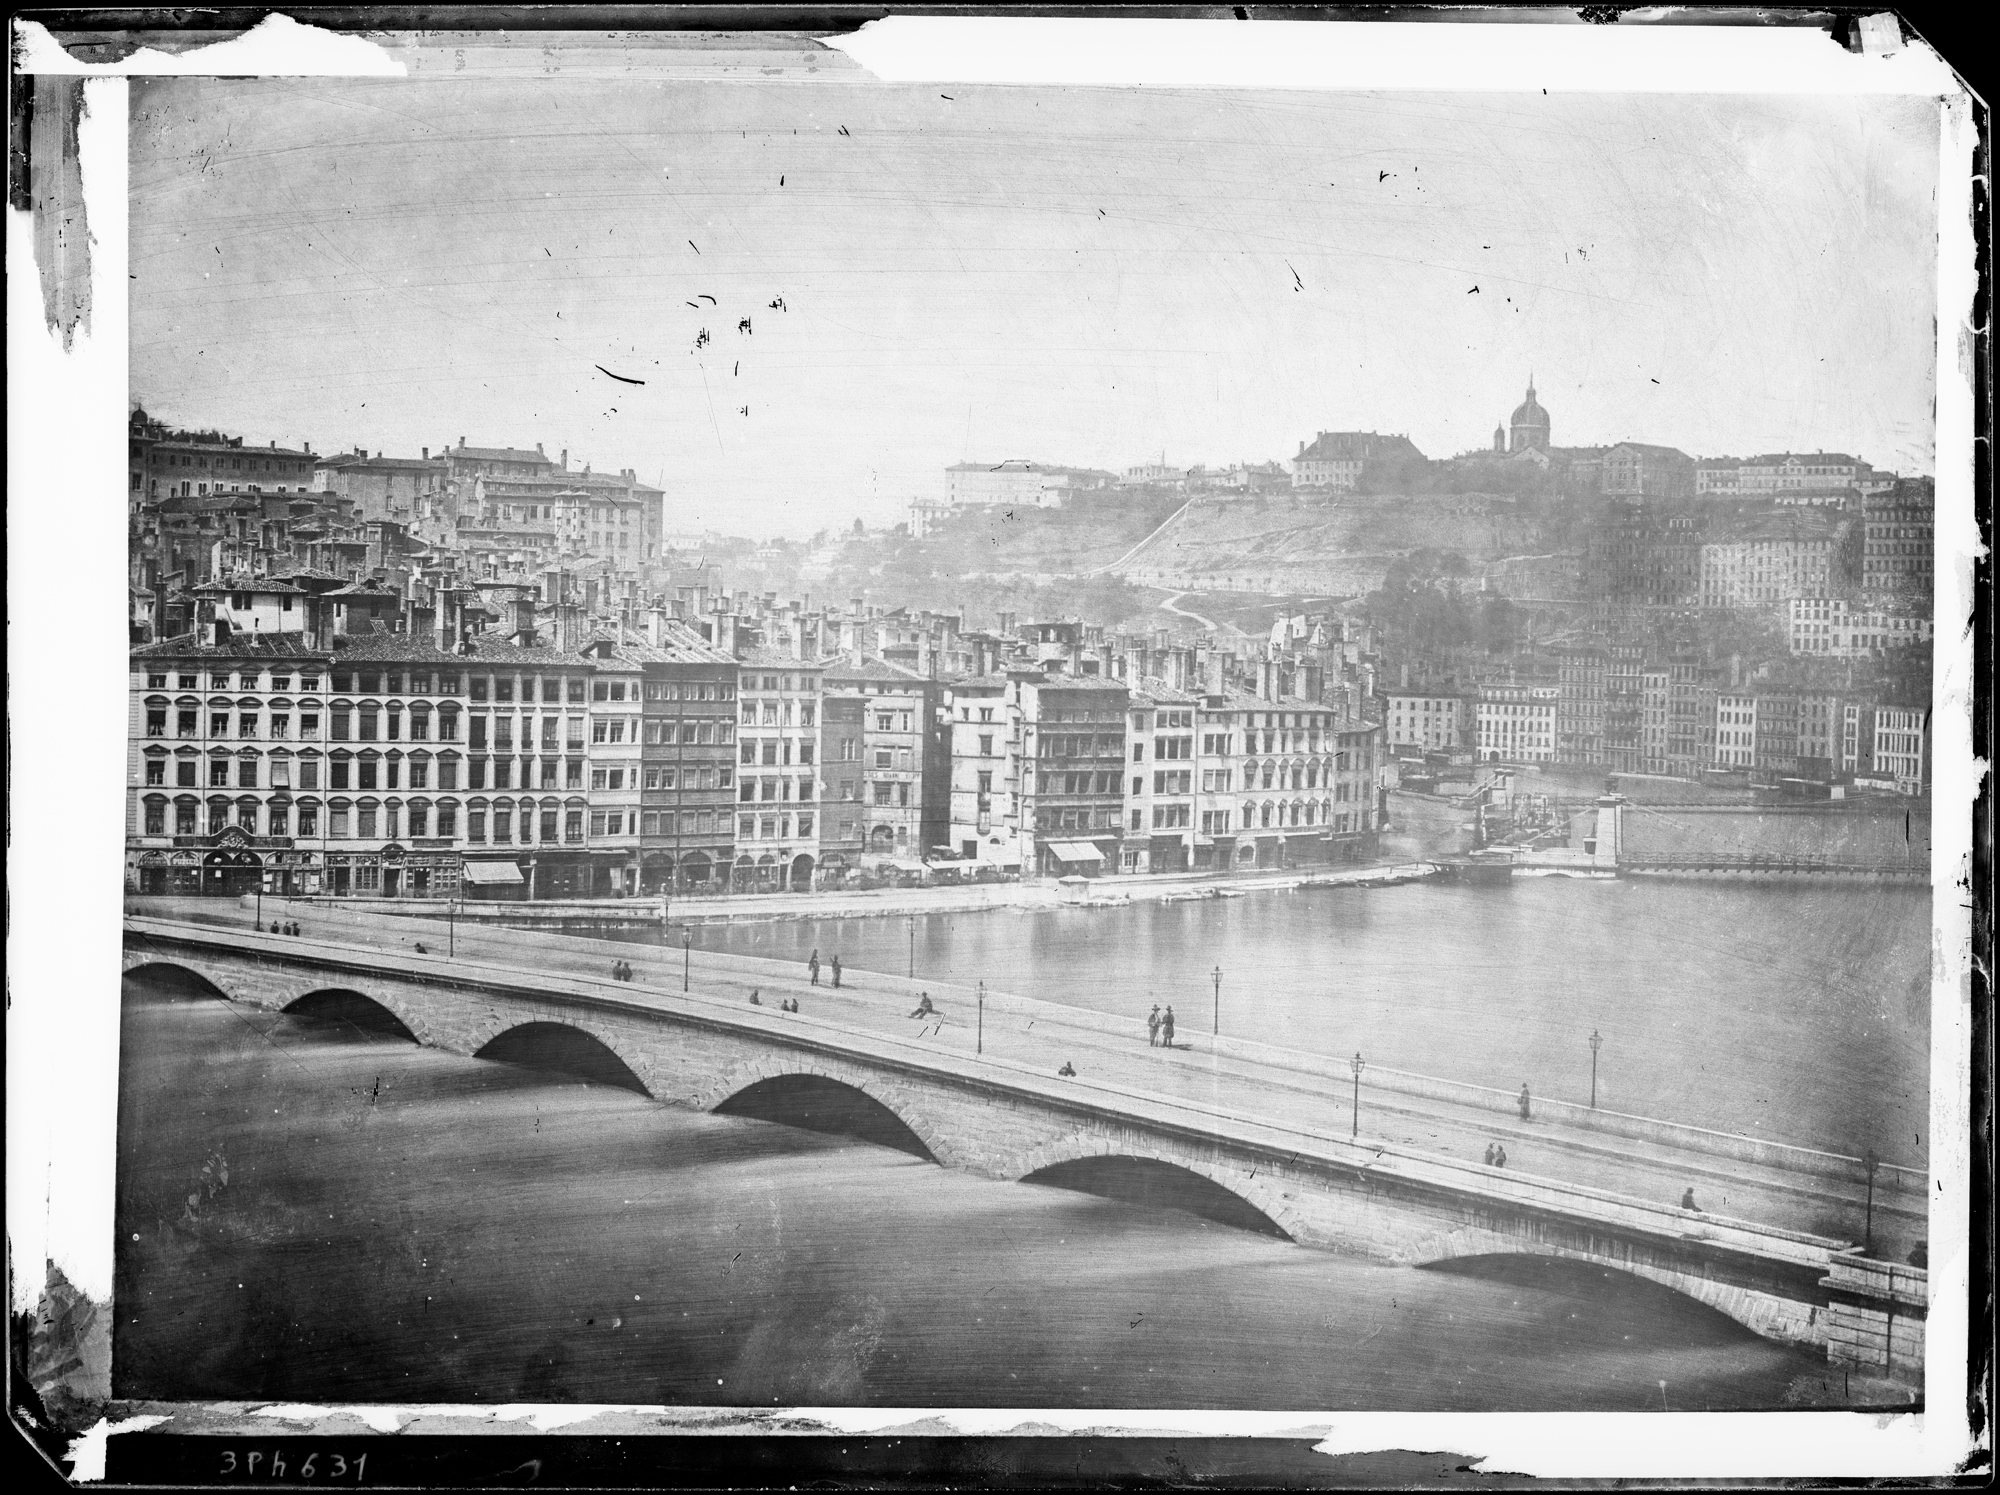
{"x": 1002, "y": 1122}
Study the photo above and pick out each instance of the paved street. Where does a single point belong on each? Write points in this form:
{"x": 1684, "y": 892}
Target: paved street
{"x": 1294, "y": 1091}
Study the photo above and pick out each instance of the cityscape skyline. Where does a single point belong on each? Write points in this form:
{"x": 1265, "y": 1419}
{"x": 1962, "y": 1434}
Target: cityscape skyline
{"x": 1132, "y": 274}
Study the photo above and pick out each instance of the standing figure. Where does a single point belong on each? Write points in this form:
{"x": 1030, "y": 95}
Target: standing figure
{"x": 1524, "y": 1100}
{"x": 1153, "y": 1027}
{"x": 1167, "y": 1028}
{"x": 1687, "y": 1202}
{"x": 1488, "y": 1159}
{"x": 836, "y": 973}
{"x": 1499, "y": 1156}
{"x": 812, "y": 965}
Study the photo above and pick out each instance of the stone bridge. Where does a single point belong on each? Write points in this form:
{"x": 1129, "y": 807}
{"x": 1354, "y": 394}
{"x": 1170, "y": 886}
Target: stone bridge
{"x": 1005, "y": 1121}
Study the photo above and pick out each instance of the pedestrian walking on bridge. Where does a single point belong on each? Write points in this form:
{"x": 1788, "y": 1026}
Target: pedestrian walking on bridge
{"x": 1167, "y": 1028}
{"x": 1153, "y": 1027}
{"x": 836, "y": 973}
{"x": 1524, "y": 1100}
{"x": 812, "y": 965}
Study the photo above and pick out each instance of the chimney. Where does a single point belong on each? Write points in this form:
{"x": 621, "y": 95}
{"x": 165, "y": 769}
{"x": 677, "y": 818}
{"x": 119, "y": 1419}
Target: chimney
{"x": 427, "y": 454}
{"x": 538, "y": 449}
{"x": 565, "y": 459}
{"x": 461, "y": 443}
{"x": 220, "y": 631}
{"x": 656, "y": 627}
{"x": 524, "y": 620}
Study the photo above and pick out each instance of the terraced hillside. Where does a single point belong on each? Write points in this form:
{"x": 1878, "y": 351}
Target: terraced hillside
{"x": 1341, "y": 546}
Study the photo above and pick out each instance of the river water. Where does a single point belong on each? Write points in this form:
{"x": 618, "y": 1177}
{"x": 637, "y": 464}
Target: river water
{"x": 1795, "y": 1012}
{"x": 310, "y": 1212}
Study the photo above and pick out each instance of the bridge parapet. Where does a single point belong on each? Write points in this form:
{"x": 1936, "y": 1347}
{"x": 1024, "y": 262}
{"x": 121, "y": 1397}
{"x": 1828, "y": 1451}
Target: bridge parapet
{"x": 999, "y": 1117}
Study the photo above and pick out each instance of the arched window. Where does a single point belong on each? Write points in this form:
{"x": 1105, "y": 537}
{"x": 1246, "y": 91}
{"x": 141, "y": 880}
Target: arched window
{"x": 340, "y": 820}
{"x": 154, "y": 812}
{"x": 218, "y": 815}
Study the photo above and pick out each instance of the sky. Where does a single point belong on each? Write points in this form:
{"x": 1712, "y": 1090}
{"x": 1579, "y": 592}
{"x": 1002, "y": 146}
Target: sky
{"x": 892, "y": 279}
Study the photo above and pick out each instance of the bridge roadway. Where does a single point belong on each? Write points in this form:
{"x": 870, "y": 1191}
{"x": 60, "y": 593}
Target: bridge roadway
{"x": 1246, "y": 1093}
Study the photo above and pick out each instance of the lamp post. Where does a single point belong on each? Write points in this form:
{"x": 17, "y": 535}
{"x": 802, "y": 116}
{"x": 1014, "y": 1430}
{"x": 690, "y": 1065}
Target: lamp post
{"x": 1871, "y": 1163}
{"x": 687, "y": 956}
{"x": 1217, "y": 974}
{"x": 1596, "y": 1043}
{"x": 913, "y": 949}
{"x": 1357, "y": 1066}
{"x": 981, "y": 1043}
{"x": 451, "y": 928}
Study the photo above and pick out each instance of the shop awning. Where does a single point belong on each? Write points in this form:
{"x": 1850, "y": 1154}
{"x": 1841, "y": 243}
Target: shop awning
{"x": 1075, "y": 851}
{"x": 492, "y": 872}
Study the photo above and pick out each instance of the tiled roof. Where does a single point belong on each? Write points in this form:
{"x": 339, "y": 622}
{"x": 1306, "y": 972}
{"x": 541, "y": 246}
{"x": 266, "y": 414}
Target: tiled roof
{"x": 236, "y": 646}
{"x": 352, "y": 459}
{"x": 765, "y": 657}
{"x": 840, "y": 671}
{"x": 489, "y": 649}
{"x": 497, "y": 454}
{"x": 1650, "y": 450}
{"x": 391, "y": 648}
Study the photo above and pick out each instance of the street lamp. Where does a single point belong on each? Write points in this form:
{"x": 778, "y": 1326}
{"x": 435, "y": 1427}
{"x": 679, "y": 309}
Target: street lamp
{"x": 687, "y": 956}
{"x": 1871, "y": 1163}
{"x": 913, "y": 949}
{"x": 451, "y": 927}
{"x": 981, "y": 1048}
{"x": 1357, "y": 1066}
{"x": 1596, "y": 1043}
{"x": 1217, "y": 974}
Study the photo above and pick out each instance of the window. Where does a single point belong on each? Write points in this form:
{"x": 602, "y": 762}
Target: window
{"x": 218, "y": 773}
{"x": 218, "y": 724}
{"x": 309, "y": 726}
{"x": 340, "y": 727}
{"x": 478, "y": 684}
{"x": 365, "y": 822}
{"x": 156, "y": 817}
{"x": 281, "y": 724}
{"x": 337, "y": 821}
{"x": 475, "y": 826}
{"x": 280, "y": 820}
{"x": 598, "y": 778}
{"x": 503, "y": 822}
{"x": 881, "y": 794}
{"x": 572, "y": 825}
{"x": 184, "y": 819}
{"x": 246, "y": 773}
{"x": 186, "y": 725}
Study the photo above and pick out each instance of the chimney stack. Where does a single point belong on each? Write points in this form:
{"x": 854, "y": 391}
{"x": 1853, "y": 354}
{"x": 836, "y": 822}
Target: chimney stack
{"x": 427, "y": 454}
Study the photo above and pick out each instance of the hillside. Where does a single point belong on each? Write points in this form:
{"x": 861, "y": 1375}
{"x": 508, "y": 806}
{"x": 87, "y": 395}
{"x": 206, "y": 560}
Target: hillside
{"x": 1342, "y": 546}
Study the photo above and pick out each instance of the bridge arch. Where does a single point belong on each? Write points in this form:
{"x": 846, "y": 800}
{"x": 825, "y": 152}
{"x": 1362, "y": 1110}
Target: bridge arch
{"x": 563, "y": 1048}
{"x": 176, "y": 978}
{"x": 831, "y": 1097}
{"x": 341, "y": 1004}
{"x": 1764, "y": 1313}
{"x": 1162, "y": 1180}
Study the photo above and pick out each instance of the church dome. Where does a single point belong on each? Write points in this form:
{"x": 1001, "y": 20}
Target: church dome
{"x": 1529, "y": 412}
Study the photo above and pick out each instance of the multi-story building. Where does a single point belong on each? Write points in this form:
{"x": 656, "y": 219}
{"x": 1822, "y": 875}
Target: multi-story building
{"x": 1072, "y": 781}
{"x": 1427, "y": 719}
{"x": 1690, "y": 718}
{"x": 1015, "y": 483}
{"x": 528, "y": 814}
{"x": 1777, "y": 755}
{"x": 381, "y": 487}
{"x": 1624, "y": 688}
{"x": 1634, "y": 469}
{"x": 1580, "y": 672}
{"x": 843, "y": 824}
{"x": 687, "y": 760}
{"x": 263, "y": 760}
{"x": 777, "y": 799}
{"x": 1902, "y": 746}
{"x": 1653, "y": 709}
{"x": 1779, "y": 474}
{"x": 905, "y": 757}
{"x": 1735, "y": 729}
{"x": 1334, "y": 459}
{"x": 1833, "y": 628}
{"x": 193, "y": 464}
{"x": 1160, "y": 809}
{"x": 1800, "y": 553}
{"x": 1900, "y": 531}
{"x": 1517, "y": 723}
{"x": 987, "y": 727}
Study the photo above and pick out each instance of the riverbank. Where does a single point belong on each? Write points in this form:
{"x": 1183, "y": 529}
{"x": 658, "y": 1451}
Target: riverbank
{"x": 1101, "y": 892}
